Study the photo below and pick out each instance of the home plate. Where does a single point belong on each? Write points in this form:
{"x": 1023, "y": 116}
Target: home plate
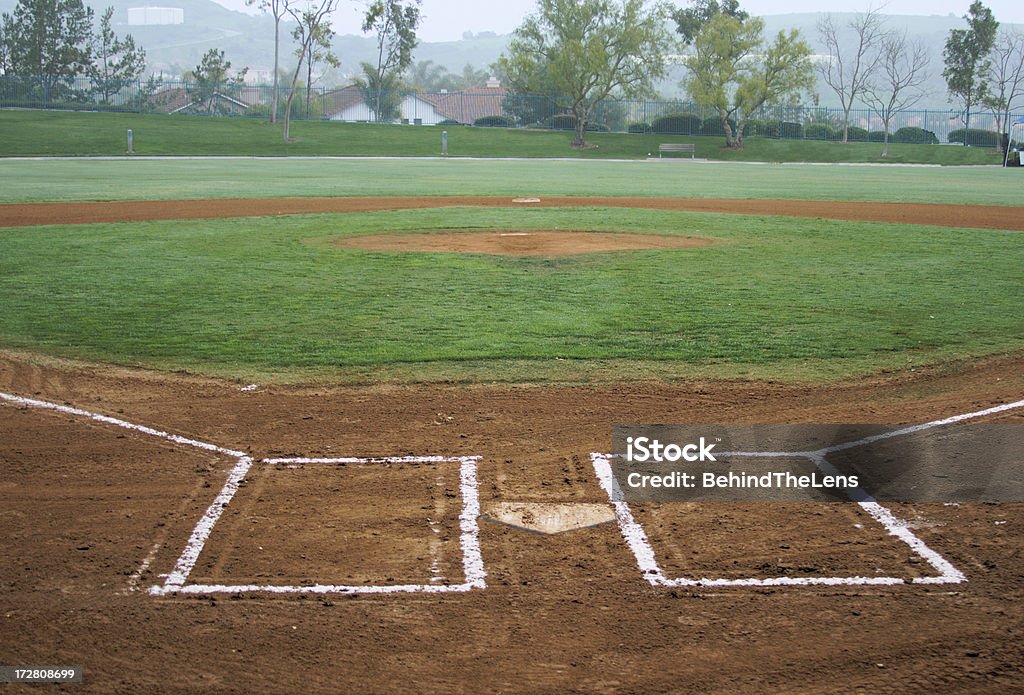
{"x": 549, "y": 517}
{"x": 526, "y": 200}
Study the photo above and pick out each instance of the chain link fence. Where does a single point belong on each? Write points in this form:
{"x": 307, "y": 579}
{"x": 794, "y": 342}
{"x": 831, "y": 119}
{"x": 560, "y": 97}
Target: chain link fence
{"x": 486, "y": 106}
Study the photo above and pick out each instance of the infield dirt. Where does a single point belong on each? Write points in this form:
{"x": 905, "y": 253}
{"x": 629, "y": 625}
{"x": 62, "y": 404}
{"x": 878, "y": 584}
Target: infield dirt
{"x": 84, "y": 505}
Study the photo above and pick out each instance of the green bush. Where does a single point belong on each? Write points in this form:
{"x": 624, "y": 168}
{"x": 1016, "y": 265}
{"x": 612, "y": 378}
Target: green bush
{"x": 641, "y": 128}
{"x": 820, "y": 131}
{"x": 856, "y": 134}
{"x": 494, "y": 122}
{"x": 788, "y": 130}
{"x": 567, "y": 121}
{"x": 448, "y": 121}
{"x": 877, "y": 136}
{"x": 713, "y": 126}
{"x": 677, "y": 124}
{"x": 974, "y": 136}
{"x": 915, "y": 135}
{"x": 563, "y": 121}
{"x": 755, "y": 127}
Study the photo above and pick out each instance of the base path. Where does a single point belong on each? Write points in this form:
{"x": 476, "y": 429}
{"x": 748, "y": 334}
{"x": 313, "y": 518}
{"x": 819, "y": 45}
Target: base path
{"x": 31, "y": 214}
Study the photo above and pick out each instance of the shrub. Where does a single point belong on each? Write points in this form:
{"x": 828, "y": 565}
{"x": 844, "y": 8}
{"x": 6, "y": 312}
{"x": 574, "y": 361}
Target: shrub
{"x": 877, "y": 136}
{"x": 567, "y": 121}
{"x": 974, "y": 136}
{"x": 856, "y": 134}
{"x": 713, "y": 126}
{"x": 494, "y": 121}
{"x": 755, "y": 127}
{"x": 563, "y": 121}
{"x": 789, "y": 130}
{"x": 642, "y": 128}
{"x": 677, "y": 124}
{"x": 915, "y": 135}
{"x": 819, "y": 131}
{"x": 448, "y": 121}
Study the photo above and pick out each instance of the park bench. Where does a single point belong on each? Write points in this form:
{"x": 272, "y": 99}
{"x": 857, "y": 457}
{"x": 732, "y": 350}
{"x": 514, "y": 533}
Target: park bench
{"x": 677, "y": 147}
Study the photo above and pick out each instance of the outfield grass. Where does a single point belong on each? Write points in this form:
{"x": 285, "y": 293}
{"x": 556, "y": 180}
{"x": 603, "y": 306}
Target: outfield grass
{"x": 126, "y": 179}
{"x": 61, "y": 133}
{"x": 252, "y": 298}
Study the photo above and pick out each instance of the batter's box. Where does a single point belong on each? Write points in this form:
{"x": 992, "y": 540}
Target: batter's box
{"x": 366, "y": 525}
{"x": 639, "y": 542}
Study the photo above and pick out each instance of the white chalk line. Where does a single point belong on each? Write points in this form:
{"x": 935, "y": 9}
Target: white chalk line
{"x": 177, "y": 581}
{"x": 638, "y": 542}
{"x": 469, "y": 541}
{"x": 68, "y": 410}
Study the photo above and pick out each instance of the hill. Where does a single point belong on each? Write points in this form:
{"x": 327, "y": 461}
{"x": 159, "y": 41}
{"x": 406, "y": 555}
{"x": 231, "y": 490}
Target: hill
{"x": 247, "y": 40}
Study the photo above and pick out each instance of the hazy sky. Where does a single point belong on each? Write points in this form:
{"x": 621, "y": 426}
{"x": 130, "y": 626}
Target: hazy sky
{"x": 446, "y": 20}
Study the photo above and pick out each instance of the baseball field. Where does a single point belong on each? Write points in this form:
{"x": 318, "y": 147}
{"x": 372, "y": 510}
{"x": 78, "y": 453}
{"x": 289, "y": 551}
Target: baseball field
{"x": 344, "y": 424}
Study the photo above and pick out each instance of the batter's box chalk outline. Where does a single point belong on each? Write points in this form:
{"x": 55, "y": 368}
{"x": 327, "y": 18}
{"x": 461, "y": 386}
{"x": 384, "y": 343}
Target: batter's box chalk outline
{"x": 176, "y": 582}
{"x": 636, "y": 537}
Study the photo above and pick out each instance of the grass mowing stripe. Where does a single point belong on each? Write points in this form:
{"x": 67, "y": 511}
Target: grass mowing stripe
{"x": 247, "y": 296}
{"x": 78, "y": 180}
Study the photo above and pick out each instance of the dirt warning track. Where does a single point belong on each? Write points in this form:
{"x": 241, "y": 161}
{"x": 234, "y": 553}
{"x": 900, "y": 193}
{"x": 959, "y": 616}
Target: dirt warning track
{"x": 34, "y": 214}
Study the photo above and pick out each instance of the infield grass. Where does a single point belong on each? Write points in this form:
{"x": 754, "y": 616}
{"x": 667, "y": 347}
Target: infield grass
{"x": 260, "y": 298}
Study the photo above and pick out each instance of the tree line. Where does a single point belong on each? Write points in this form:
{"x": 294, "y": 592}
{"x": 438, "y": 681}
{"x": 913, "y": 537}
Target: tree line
{"x": 569, "y": 56}
{"x": 50, "y": 42}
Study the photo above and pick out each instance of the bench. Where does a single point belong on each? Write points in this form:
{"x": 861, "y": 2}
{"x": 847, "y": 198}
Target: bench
{"x": 677, "y": 147}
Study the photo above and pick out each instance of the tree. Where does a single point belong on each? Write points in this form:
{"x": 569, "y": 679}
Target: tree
{"x": 310, "y": 21}
{"x": 395, "y": 25}
{"x": 853, "y": 57}
{"x": 426, "y": 76}
{"x": 586, "y": 50}
{"x": 49, "y": 42}
{"x": 1005, "y": 77}
{"x": 317, "y": 50}
{"x": 690, "y": 20}
{"x": 5, "y": 43}
{"x": 470, "y": 77}
{"x": 212, "y": 81}
{"x": 965, "y": 57}
{"x": 903, "y": 71}
{"x": 277, "y": 9}
{"x": 382, "y": 93}
{"x": 733, "y": 70}
{"x": 115, "y": 62}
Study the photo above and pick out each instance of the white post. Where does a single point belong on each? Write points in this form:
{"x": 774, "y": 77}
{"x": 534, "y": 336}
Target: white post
{"x": 129, "y": 141}
{"x": 444, "y": 143}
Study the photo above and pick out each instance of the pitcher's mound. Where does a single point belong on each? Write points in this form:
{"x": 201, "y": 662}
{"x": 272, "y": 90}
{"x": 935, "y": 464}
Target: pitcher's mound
{"x": 519, "y": 242}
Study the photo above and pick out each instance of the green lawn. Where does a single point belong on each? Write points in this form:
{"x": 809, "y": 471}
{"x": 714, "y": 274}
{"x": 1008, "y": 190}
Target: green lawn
{"x": 66, "y": 133}
{"x": 273, "y": 298}
{"x": 126, "y": 179}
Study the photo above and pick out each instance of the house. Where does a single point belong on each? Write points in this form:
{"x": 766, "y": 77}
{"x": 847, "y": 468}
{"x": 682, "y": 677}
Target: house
{"x": 464, "y": 106}
{"x": 185, "y": 100}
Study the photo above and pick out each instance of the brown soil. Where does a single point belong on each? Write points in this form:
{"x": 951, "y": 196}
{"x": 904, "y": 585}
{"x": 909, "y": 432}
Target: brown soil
{"x": 979, "y": 216}
{"x": 83, "y": 504}
{"x": 519, "y": 242}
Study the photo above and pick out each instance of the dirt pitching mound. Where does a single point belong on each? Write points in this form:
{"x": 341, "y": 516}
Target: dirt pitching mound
{"x": 519, "y": 242}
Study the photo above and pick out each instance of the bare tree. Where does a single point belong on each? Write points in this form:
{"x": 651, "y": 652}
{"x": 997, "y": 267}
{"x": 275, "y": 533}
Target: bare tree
{"x": 310, "y": 22}
{"x": 903, "y": 70}
{"x": 853, "y": 56}
{"x": 395, "y": 25}
{"x": 318, "y": 50}
{"x": 277, "y": 9}
{"x": 1005, "y": 76}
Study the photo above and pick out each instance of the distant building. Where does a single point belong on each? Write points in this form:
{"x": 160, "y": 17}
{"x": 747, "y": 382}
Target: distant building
{"x": 463, "y": 106}
{"x": 154, "y": 16}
